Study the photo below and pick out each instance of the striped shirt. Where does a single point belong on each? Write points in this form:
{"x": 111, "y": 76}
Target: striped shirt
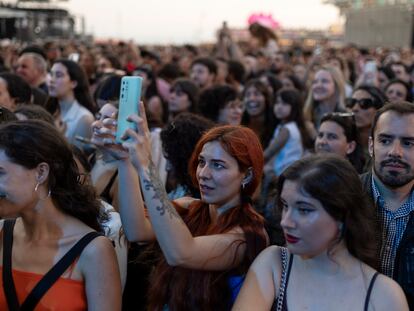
{"x": 393, "y": 224}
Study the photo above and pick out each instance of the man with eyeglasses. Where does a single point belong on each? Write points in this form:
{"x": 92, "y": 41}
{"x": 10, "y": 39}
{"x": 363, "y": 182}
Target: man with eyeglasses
{"x": 365, "y": 102}
{"x": 390, "y": 186}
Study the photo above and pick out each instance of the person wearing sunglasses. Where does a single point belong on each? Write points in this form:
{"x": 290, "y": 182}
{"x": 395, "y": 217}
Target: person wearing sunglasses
{"x": 365, "y": 102}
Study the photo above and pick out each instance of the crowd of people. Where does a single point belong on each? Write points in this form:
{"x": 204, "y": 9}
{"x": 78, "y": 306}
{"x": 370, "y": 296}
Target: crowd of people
{"x": 258, "y": 177}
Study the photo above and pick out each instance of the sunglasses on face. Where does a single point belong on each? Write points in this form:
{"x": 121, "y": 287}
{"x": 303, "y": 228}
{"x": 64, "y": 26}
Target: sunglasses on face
{"x": 364, "y": 103}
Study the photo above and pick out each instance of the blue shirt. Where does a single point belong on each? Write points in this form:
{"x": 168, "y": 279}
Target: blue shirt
{"x": 393, "y": 224}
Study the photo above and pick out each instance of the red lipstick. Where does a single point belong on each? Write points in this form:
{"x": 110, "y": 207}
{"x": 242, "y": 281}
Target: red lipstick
{"x": 291, "y": 239}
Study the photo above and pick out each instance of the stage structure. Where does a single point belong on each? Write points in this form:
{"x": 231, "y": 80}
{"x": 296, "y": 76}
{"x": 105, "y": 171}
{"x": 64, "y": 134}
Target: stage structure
{"x": 31, "y": 20}
{"x": 380, "y": 23}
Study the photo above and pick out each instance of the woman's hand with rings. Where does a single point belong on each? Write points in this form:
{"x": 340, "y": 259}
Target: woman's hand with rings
{"x": 103, "y": 136}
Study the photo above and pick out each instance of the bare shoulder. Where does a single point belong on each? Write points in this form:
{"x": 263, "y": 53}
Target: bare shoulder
{"x": 98, "y": 250}
{"x": 387, "y": 295}
{"x": 267, "y": 266}
{"x": 97, "y": 245}
{"x": 269, "y": 258}
{"x": 185, "y": 202}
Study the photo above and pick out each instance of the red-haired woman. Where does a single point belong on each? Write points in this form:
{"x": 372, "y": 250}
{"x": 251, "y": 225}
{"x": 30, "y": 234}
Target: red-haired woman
{"x": 206, "y": 244}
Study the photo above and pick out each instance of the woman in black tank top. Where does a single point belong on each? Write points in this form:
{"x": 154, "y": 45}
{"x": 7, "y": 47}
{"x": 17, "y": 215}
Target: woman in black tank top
{"x": 331, "y": 254}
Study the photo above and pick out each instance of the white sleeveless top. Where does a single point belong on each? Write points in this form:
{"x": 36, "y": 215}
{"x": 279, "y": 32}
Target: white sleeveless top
{"x": 291, "y": 151}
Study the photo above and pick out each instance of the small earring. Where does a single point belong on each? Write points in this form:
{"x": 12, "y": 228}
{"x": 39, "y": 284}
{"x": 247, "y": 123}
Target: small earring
{"x": 36, "y": 187}
{"x": 243, "y": 185}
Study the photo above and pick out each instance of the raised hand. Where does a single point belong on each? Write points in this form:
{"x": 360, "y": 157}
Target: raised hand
{"x": 103, "y": 136}
{"x": 138, "y": 143}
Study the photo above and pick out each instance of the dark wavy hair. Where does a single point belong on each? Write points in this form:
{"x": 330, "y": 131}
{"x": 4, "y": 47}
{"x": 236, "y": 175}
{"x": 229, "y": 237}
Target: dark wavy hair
{"x": 347, "y": 122}
{"x": 189, "y": 88}
{"x": 29, "y": 143}
{"x": 378, "y": 95}
{"x": 263, "y": 34}
{"x": 35, "y": 112}
{"x": 270, "y": 120}
{"x": 171, "y": 285}
{"x": 108, "y": 88}
{"x": 207, "y": 62}
{"x": 401, "y": 108}
{"x": 17, "y": 87}
{"x": 333, "y": 181}
{"x": 409, "y": 96}
{"x": 81, "y": 91}
{"x": 295, "y": 100}
{"x": 179, "y": 138}
{"x": 214, "y": 99}
{"x": 6, "y": 115}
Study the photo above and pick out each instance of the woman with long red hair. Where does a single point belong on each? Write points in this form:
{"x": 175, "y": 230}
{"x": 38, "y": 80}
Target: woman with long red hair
{"x": 207, "y": 244}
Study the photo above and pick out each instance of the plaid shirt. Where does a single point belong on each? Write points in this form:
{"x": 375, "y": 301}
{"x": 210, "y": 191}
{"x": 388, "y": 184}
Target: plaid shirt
{"x": 393, "y": 225}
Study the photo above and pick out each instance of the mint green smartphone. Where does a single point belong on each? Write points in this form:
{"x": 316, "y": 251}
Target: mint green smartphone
{"x": 129, "y": 98}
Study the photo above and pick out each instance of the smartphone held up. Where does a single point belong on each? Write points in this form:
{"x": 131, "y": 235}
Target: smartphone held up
{"x": 370, "y": 72}
{"x": 128, "y": 104}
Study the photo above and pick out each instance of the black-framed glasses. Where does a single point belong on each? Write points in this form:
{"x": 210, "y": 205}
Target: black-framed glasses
{"x": 364, "y": 103}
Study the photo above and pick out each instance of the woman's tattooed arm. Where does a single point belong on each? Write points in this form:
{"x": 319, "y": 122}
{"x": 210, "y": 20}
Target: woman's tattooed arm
{"x": 153, "y": 183}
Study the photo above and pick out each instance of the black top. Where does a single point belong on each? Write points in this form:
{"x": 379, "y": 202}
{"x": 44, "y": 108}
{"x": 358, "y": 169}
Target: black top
{"x": 284, "y": 304}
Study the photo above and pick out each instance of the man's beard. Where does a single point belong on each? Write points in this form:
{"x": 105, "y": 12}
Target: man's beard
{"x": 393, "y": 179}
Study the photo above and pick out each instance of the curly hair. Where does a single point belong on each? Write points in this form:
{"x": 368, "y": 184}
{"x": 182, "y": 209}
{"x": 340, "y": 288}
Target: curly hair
{"x": 178, "y": 139}
{"x": 214, "y": 99}
{"x": 29, "y": 143}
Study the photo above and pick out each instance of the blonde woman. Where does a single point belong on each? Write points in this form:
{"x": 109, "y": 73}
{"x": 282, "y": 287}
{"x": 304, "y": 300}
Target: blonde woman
{"x": 326, "y": 94}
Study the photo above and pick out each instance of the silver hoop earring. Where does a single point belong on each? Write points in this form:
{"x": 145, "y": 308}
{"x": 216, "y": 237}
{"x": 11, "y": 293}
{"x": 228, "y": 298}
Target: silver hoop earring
{"x": 37, "y": 188}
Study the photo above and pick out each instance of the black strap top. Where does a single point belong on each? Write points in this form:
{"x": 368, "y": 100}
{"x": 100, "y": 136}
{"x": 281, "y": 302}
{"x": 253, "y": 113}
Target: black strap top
{"x": 284, "y": 304}
{"x": 48, "y": 279}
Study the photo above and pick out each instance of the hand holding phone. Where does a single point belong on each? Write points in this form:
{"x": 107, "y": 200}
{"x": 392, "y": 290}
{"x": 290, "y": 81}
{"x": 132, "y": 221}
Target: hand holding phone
{"x": 128, "y": 104}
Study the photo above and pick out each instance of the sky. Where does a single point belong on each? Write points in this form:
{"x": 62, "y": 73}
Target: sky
{"x": 192, "y": 21}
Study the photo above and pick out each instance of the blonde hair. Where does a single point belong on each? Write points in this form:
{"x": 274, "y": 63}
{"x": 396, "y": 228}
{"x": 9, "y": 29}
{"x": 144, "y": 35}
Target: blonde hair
{"x": 339, "y": 82}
